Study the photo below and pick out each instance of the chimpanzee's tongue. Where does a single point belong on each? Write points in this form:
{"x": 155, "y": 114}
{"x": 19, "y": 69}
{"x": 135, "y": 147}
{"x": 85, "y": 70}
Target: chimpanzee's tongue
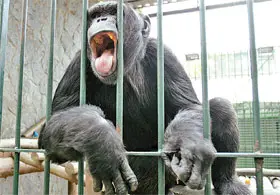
{"x": 104, "y": 63}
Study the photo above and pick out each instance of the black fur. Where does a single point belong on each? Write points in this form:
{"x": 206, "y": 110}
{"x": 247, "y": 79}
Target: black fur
{"x": 188, "y": 155}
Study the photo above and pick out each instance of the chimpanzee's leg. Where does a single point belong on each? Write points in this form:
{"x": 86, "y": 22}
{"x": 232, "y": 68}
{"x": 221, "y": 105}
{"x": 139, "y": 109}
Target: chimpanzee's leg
{"x": 225, "y": 137}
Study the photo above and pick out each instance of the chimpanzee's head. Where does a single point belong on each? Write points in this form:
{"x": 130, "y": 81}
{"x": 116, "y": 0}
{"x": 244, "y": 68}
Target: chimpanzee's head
{"x": 103, "y": 39}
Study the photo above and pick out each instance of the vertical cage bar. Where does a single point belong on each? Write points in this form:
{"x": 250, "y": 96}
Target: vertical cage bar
{"x": 256, "y": 107}
{"x": 119, "y": 97}
{"x": 160, "y": 97}
{"x": 83, "y": 54}
{"x": 50, "y": 63}
{"x": 4, "y": 31}
{"x": 50, "y": 89}
{"x": 83, "y": 86}
{"x": 81, "y": 176}
{"x": 19, "y": 98}
{"x": 204, "y": 76}
{"x": 254, "y": 75}
{"x": 1, "y": 4}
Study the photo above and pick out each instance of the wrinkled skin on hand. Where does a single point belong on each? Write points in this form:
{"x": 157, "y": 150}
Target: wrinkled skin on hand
{"x": 96, "y": 139}
{"x": 188, "y": 155}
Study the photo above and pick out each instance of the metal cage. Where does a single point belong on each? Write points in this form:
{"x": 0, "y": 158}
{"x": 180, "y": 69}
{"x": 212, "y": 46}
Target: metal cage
{"x": 257, "y": 155}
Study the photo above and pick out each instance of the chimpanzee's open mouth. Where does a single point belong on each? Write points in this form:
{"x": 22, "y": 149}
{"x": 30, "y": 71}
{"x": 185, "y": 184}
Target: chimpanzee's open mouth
{"x": 103, "y": 47}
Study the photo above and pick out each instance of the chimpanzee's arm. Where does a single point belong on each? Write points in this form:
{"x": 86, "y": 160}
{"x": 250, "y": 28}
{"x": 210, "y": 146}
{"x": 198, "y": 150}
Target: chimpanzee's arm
{"x": 68, "y": 90}
{"x": 189, "y": 155}
{"x": 84, "y": 132}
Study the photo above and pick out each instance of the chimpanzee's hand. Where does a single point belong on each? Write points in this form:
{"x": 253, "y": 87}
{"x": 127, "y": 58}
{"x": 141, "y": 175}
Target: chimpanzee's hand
{"x": 118, "y": 182}
{"x": 107, "y": 160}
{"x": 188, "y": 155}
{"x": 84, "y": 132}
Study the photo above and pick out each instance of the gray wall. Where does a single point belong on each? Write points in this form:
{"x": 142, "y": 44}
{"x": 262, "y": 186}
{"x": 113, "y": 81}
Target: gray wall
{"x": 67, "y": 43}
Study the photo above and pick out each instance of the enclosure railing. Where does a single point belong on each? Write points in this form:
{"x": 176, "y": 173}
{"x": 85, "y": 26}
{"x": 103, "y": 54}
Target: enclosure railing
{"x": 233, "y": 64}
{"x": 258, "y": 155}
{"x": 19, "y": 100}
{"x": 204, "y": 73}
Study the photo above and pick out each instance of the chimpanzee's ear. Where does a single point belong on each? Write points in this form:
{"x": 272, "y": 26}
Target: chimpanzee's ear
{"x": 147, "y": 25}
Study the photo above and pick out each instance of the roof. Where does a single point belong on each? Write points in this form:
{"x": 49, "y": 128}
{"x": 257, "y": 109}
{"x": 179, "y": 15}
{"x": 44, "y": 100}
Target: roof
{"x": 144, "y": 3}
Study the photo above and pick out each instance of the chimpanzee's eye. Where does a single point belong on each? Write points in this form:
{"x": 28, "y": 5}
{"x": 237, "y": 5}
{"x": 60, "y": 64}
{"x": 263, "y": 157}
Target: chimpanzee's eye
{"x": 113, "y": 12}
{"x": 95, "y": 15}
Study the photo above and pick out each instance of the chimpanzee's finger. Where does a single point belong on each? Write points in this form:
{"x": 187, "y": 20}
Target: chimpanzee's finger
{"x": 109, "y": 188}
{"x": 182, "y": 167}
{"x": 120, "y": 185}
{"x": 205, "y": 155}
{"x": 166, "y": 158}
{"x": 97, "y": 184}
{"x": 128, "y": 175}
{"x": 195, "y": 181}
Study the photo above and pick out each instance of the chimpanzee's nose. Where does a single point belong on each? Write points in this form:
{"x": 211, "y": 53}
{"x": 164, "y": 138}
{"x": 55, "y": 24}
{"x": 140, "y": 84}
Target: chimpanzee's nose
{"x": 101, "y": 19}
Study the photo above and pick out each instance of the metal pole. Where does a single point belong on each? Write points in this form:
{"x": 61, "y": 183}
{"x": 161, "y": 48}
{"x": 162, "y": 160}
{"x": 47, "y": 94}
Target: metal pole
{"x": 160, "y": 97}
{"x": 256, "y": 107}
{"x": 50, "y": 90}
{"x": 119, "y": 93}
{"x": 209, "y": 7}
{"x": 204, "y": 76}
{"x": 19, "y": 100}
{"x": 132, "y": 153}
{"x": 83, "y": 86}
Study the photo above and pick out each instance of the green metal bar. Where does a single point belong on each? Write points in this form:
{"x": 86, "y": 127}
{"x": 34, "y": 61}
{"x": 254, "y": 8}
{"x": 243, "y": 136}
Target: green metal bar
{"x": 50, "y": 90}
{"x": 19, "y": 98}
{"x": 83, "y": 86}
{"x": 83, "y": 54}
{"x": 47, "y": 175}
{"x": 209, "y": 7}
{"x": 4, "y": 30}
{"x": 160, "y": 97}
{"x": 119, "y": 94}
{"x": 259, "y": 175}
{"x": 256, "y": 106}
{"x": 50, "y": 63}
{"x": 132, "y": 153}
{"x": 21, "y": 150}
{"x": 247, "y": 155}
{"x": 254, "y": 76}
{"x": 248, "y": 65}
{"x": 209, "y": 72}
{"x": 81, "y": 177}
{"x": 204, "y": 76}
{"x": 218, "y": 154}
{"x": 1, "y": 3}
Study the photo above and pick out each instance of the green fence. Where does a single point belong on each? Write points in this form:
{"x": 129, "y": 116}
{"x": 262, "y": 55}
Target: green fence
{"x": 269, "y": 122}
{"x": 234, "y": 65}
{"x": 257, "y": 154}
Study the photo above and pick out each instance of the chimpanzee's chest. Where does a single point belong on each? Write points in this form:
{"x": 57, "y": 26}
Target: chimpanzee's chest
{"x": 139, "y": 120}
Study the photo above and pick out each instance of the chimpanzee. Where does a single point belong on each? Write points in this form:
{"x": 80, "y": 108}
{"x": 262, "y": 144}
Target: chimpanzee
{"x": 74, "y": 132}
